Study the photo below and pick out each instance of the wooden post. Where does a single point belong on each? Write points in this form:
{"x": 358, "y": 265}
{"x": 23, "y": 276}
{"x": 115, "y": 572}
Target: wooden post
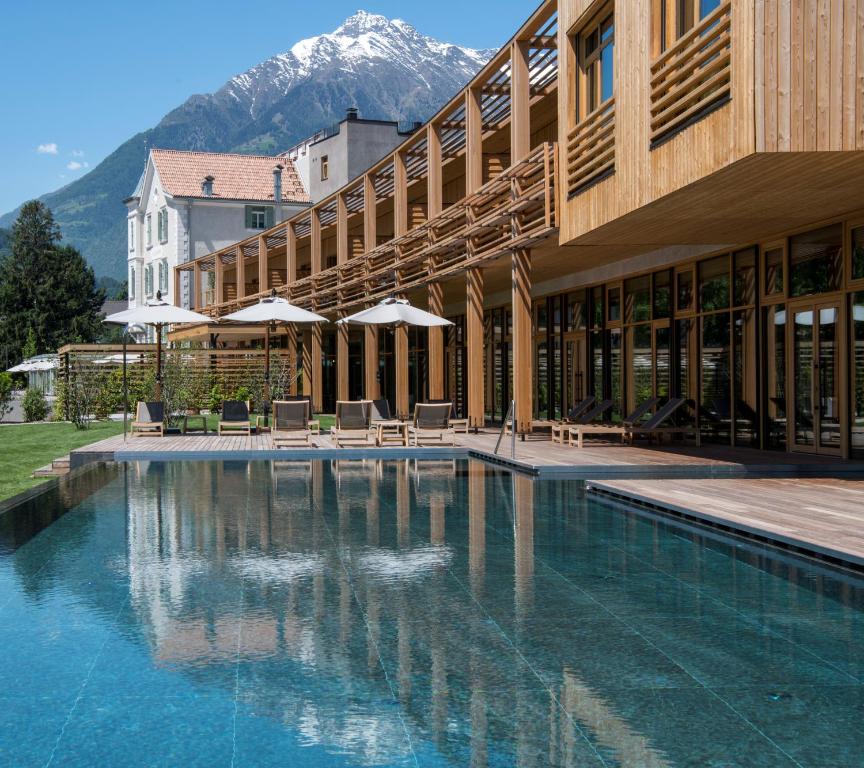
{"x": 370, "y": 363}
{"x": 370, "y": 215}
{"x": 291, "y": 333}
{"x": 263, "y": 278}
{"x": 315, "y": 241}
{"x": 219, "y": 268}
{"x": 434, "y": 176}
{"x": 436, "y": 343}
{"x": 520, "y": 102}
{"x": 241, "y": 273}
{"x": 317, "y": 369}
{"x": 522, "y": 340}
{"x": 401, "y": 362}
{"x": 474, "y": 344}
{"x": 177, "y": 282}
{"x": 195, "y": 287}
{"x": 473, "y": 141}
{"x": 400, "y": 195}
{"x": 307, "y": 363}
{"x": 290, "y": 255}
{"x": 341, "y": 330}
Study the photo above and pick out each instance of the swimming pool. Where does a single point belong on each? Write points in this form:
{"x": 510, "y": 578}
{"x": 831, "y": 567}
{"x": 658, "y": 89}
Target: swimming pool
{"x": 398, "y": 613}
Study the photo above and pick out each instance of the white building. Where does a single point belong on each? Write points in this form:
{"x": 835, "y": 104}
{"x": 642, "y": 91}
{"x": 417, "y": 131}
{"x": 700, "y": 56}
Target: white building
{"x": 188, "y": 204}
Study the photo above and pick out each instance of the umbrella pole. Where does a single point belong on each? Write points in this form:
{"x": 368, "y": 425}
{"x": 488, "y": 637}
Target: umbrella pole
{"x": 125, "y": 387}
{"x": 267, "y": 372}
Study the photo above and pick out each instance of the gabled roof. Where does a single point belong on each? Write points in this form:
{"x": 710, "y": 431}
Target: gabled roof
{"x": 235, "y": 177}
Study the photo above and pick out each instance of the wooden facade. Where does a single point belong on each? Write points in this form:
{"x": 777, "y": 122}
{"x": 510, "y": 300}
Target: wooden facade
{"x": 607, "y": 147}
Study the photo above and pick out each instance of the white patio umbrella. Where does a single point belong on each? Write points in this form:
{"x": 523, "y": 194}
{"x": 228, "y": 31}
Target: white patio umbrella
{"x": 157, "y": 314}
{"x": 395, "y": 312}
{"x": 270, "y": 311}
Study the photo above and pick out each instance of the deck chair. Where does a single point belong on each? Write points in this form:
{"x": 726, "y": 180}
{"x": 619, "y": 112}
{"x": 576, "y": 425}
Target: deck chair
{"x": 432, "y": 423}
{"x": 314, "y": 424}
{"x": 381, "y": 410}
{"x": 631, "y": 420}
{"x": 353, "y": 424}
{"x": 656, "y": 426}
{"x": 291, "y": 423}
{"x": 559, "y": 428}
{"x": 149, "y": 419}
{"x": 455, "y": 421}
{"x": 235, "y": 418}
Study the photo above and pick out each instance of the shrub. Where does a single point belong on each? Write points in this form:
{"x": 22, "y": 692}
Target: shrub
{"x": 5, "y": 395}
{"x": 35, "y": 406}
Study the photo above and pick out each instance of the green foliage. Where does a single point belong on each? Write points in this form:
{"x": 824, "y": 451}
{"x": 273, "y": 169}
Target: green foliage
{"x": 216, "y": 397}
{"x": 48, "y": 294}
{"x": 35, "y": 406}
{"x": 5, "y": 394}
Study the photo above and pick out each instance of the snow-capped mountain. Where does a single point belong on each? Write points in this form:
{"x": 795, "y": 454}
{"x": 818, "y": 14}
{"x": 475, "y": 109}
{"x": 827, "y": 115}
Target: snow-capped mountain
{"x": 384, "y": 67}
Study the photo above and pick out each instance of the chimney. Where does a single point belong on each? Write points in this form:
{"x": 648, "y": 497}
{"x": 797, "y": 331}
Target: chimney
{"x": 277, "y": 184}
{"x": 352, "y": 113}
{"x": 207, "y": 186}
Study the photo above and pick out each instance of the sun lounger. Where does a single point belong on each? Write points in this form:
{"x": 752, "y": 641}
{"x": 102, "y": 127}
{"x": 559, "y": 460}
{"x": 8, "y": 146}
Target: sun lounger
{"x": 353, "y": 424}
{"x": 580, "y": 430}
{"x": 559, "y": 428}
{"x": 455, "y": 422}
{"x": 291, "y": 423}
{"x": 656, "y": 427}
{"x": 149, "y": 419}
{"x": 235, "y": 418}
{"x": 381, "y": 410}
{"x": 432, "y": 423}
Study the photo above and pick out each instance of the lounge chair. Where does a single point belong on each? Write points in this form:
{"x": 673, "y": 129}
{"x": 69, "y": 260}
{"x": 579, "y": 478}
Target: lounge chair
{"x": 235, "y": 418}
{"x": 381, "y": 410}
{"x": 455, "y": 422}
{"x": 353, "y": 424}
{"x": 149, "y": 419}
{"x": 291, "y": 423}
{"x": 623, "y": 429}
{"x": 559, "y": 428}
{"x": 432, "y": 423}
{"x": 654, "y": 427}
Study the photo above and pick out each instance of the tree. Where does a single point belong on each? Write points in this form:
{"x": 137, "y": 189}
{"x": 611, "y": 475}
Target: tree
{"x": 46, "y": 289}
{"x": 6, "y": 392}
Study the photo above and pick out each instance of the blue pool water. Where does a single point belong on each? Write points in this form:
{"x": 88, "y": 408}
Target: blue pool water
{"x": 402, "y": 614}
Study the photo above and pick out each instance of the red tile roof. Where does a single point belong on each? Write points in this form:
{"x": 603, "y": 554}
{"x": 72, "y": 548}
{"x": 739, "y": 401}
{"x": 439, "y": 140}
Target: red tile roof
{"x": 235, "y": 177}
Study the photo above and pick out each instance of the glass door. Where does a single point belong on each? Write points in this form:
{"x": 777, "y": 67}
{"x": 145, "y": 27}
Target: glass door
{"x": 816, "y": 379}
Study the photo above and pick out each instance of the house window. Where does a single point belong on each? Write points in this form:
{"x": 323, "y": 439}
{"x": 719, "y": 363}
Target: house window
{"x": 131, "y": 282}
{"x": 149, "y": 230}
{"x": 162, "y": 225}
{"x": 131, "y": 235}
{"x": 325, "y": 167}
{"x": 148, "y": 280}
{"x": 596, "y": 70}
{"x": 259, "y": 216}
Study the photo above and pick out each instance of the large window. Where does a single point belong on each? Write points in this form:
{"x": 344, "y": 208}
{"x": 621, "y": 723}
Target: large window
{"x": 149, "y": 230}
{"x": 162, "y": 225}
{"x": 325, "y": 167}
{"x": 816, "y": 261}
{"x": 678, "y": 17}
{"x": 259, "y": 216}
{"x": 131, "y": 234}
{"x": 595, "y": 49}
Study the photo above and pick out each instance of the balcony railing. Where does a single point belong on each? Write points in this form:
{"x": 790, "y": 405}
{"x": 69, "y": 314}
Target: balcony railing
{"x": 591, "y": 148}
{"x": 513, "y": 211}
{"x": 693, "y": 75}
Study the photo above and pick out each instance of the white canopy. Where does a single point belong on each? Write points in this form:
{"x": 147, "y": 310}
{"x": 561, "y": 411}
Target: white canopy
{"x": 274, "y": 309}
{"x": 30, "y": 366}
{"x": 395, "y": 312}
{"x": 156, "y": 313}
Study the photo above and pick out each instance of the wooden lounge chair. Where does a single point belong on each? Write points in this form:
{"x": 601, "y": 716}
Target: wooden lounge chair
{"x": 623, "y": 429}
{"x": 149, "y": 419}
{"x": 655, "y": 427}
{"x": 455, "y": 422}
{"x": 559, "y": 428}
{"x": 381, "y": 410}
{"x": 314, "y": 424}
{"x": 353, "y": 424}
{"x": 291, "y": 423}
{"x": 432, "y": 423}
{"x": 235, "y": 418}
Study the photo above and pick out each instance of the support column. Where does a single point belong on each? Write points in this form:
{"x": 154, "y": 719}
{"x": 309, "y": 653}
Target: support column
{"x": 372, "y": 388}
{"x": 290, "y": 255}
{"x": 434, "y": 175}
{"x": 194, "y": 287}
{"x": 317, "y": 362}
{"x": 307, "y": 363}
{"x": 520, "y": 104}
{"x": 219, "y": 269}
{"x": 523, "y": 368}
{"x": 241, "y": 273}
{"x": 263, "y": 270}
{"x": 291, "y": 333}
{"x": 436, "y": 343}
{"x": 341, "y": 330}
{"x": 177, "y": 281}
{"x": 474, "y": 347}
{"x": 401, "y": 361}
{"x": 473, "y": 141}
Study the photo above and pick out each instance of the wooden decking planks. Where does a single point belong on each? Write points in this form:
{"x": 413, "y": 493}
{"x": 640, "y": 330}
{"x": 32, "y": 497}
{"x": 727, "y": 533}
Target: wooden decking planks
{"x": 822, "y": 514}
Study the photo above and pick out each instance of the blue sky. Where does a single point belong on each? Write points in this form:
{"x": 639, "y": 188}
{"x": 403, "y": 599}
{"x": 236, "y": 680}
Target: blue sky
{"x": 79, "y": 78}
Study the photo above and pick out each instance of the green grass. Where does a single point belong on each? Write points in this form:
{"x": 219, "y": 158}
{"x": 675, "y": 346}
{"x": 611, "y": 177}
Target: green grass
{"x": 26, "y": 447}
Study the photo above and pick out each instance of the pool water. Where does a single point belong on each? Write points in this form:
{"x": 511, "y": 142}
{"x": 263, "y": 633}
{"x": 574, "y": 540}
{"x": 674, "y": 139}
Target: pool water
{"x": 408, "y": 613}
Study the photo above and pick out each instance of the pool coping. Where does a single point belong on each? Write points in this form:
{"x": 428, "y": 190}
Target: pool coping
{"x": 827, "y": 555}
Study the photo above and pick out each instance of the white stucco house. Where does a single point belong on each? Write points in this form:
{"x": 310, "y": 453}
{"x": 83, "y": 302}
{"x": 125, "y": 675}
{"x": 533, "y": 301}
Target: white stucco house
{"x": 188, "y": 204}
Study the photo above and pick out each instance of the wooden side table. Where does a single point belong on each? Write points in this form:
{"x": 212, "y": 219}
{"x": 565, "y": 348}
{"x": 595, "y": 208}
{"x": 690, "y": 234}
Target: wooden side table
{"x": 392, "y": 432}
{"x": 201, "y": 416}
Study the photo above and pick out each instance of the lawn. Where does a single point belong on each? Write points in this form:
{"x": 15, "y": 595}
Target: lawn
{"x": 26, "y": 447}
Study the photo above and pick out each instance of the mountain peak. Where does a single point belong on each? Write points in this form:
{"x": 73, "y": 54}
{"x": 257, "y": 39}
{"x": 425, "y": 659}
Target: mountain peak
{"x": 363, "y": 21}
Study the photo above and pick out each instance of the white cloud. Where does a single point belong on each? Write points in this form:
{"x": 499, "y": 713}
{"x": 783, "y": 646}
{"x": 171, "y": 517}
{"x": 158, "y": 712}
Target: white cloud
{"x": 77, "y": 153}
{"x": 74, "y": 165}
{"x": 47, "y": 149}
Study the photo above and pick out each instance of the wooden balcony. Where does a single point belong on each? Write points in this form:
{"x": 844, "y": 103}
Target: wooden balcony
{"x": 591, "y": 148}
{"x": 692, "y": 75}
